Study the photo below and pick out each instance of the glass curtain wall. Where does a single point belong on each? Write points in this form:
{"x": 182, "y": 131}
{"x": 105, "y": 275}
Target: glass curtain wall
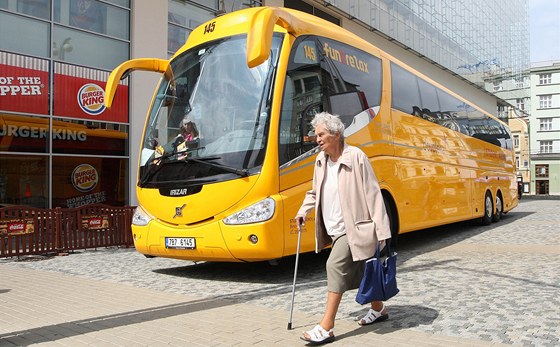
{"x": 59, "y": 146}
{"x": 185, "y": 15}
{"x": 471, "y": 38}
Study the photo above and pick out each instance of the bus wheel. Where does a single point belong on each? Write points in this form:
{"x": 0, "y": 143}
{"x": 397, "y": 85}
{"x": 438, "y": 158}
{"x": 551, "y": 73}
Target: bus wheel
{"x": 499, "y": 209}
{"x": 488, "y": 210}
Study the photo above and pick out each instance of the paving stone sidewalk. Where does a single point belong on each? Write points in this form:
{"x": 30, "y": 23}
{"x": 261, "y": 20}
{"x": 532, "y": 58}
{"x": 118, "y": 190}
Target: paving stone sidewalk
{"x": 461, "y": 285}
{"x": 42, "y": 308}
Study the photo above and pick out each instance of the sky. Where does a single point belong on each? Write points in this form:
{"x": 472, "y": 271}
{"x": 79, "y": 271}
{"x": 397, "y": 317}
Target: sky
{"x": 544, "y": 26}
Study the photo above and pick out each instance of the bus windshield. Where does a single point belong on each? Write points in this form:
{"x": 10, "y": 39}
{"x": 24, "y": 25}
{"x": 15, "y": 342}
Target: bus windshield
{"x": 210, "y": 117}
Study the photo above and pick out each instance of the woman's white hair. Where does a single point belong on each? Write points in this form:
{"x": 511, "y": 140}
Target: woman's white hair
{"x": 331, "y": 122}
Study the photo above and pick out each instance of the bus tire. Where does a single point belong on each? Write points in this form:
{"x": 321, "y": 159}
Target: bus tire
{"x": 486, "y": 219}
{"x": 499, "y": 208}
{"x": 391, "y": 213}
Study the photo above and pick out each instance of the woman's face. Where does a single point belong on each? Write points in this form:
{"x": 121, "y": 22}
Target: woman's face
{"x": 327, "y": 142}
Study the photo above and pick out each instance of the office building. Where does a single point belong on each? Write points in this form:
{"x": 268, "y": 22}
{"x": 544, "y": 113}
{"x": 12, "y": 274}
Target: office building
{"x": 545, "y": 128}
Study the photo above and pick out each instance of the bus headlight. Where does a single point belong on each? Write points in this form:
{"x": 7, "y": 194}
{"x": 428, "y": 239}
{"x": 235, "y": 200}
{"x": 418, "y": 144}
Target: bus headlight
{"x": 141, "y": 217}
{"x": 259, "y": 212}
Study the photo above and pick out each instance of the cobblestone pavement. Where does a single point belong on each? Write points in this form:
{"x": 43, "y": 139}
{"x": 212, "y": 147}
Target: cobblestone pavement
{"x": 497, "y": 284}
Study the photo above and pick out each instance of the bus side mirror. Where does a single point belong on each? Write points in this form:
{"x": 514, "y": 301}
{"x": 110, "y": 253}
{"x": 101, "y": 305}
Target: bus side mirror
{"x": 259, "y": 37}
{"x": 123, "y": 70}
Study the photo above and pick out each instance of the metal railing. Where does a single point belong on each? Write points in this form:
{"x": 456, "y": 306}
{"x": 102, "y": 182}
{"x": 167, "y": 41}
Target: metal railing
{"x": 26, "y": 230}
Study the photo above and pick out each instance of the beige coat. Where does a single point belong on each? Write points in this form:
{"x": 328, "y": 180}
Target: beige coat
{"x": 363, "y": 210}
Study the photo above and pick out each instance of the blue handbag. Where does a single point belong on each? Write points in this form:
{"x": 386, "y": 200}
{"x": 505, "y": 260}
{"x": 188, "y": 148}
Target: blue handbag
{"x": 380, "y": 278}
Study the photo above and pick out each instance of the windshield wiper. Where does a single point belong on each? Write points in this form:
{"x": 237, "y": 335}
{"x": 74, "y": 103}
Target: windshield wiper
{"x": 156, "y": 167}
{"x": 204, "y": 160}
{"x": 155, "y": 164}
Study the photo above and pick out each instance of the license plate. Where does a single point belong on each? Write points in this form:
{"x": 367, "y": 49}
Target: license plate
{"x": 180, "y": 242}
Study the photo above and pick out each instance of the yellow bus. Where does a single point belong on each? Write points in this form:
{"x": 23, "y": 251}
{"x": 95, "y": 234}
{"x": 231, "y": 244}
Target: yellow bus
{"x": 250, "y": 83}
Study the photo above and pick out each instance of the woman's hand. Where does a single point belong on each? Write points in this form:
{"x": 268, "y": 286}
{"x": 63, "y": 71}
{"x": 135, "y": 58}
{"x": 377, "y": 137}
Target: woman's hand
{"x": 300, "y": 221}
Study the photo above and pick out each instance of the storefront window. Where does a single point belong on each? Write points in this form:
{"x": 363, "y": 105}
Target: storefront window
{"x": 93, "y": 16}
{"x": 207, "y": 3}
{"x": 32, "y": 35}
{"x": 79, "y": 181}
{"x": 24, "y": 84}
{"x": 123, "y": 3}
{"x": 55, "y": 131}
{"x": 86, "y": 137}
{"x": 24, "y": 133}
{"x": 79, "y": 93}
{"x": 78, "y": 47}
{"x": 35, "y": 8}
{"x": 183, "y": 18}
{"x": 24, "y": 180}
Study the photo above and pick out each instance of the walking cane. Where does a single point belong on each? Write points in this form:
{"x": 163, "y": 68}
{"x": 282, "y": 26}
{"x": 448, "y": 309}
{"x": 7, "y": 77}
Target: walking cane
{"x": 295, "y": 276}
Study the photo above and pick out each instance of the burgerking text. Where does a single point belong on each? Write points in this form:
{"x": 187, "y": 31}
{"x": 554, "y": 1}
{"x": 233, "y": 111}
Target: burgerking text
{"x": 41, "y": 133}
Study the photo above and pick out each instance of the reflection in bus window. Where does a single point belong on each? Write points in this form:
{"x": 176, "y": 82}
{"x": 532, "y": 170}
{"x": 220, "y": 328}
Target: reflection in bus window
{"x": 416, "y": 96}
{"x": 325, "y": 75}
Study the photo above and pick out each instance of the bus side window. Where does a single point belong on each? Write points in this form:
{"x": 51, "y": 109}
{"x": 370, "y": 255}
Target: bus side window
{"x": 428, "y": 95}
{"x": 326, "y": 75}
{"x": 301, "y": 102}
{"x": 406, "y": 95}
{"x": 451, "y": 109}
{"x": 302, "y": 99}
{"x": 352, "y": 80}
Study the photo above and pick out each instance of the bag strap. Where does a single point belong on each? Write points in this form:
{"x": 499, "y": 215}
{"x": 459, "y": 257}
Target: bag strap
{"x": 387, "y": 246}
{"x": 378, "y": 251}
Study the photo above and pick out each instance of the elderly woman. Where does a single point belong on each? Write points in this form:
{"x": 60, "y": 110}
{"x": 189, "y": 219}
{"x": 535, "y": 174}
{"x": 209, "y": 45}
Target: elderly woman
{"x": 350, "y": 215}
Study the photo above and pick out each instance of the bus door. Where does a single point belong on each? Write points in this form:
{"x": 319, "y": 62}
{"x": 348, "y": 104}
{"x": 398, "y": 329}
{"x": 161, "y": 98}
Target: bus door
{"x": 322, "y": 75}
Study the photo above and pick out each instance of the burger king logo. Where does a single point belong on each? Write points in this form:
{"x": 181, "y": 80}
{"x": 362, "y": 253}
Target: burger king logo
{"x": 91, "y": 98}
{"x": 84, "y": 178}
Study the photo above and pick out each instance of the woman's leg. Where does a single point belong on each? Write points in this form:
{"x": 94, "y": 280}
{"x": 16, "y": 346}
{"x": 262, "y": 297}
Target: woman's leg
{"x": 333, "y": 301}
{"x": 378, "y": 306}
{"x": 377, "y": 313}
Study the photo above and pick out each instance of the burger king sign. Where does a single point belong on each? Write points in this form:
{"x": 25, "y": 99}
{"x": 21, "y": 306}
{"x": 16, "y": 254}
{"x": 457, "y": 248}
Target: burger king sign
{"x": 84, "y": 178}
{"x": 91, "y": 98}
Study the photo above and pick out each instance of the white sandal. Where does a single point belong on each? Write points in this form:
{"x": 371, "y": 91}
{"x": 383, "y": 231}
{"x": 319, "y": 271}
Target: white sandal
{"x": 373, "y": 317}
{"x": 318, "y": 335}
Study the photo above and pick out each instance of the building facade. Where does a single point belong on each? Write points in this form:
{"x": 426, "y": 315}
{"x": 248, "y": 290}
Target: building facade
{"x": 545, "y": 128}
{"x": 515, "y": 95}
{"x": 59, "y": 146}
{"x": 519, "y": 127}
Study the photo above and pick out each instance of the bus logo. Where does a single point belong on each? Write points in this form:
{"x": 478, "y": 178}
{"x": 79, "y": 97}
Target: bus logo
{"x": 84, "y": 178}
{"x": 179, "y": 211}
{"x": 91, "y": 98}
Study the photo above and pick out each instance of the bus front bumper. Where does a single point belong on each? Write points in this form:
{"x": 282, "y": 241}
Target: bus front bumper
{"x": 213, "y": 241}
